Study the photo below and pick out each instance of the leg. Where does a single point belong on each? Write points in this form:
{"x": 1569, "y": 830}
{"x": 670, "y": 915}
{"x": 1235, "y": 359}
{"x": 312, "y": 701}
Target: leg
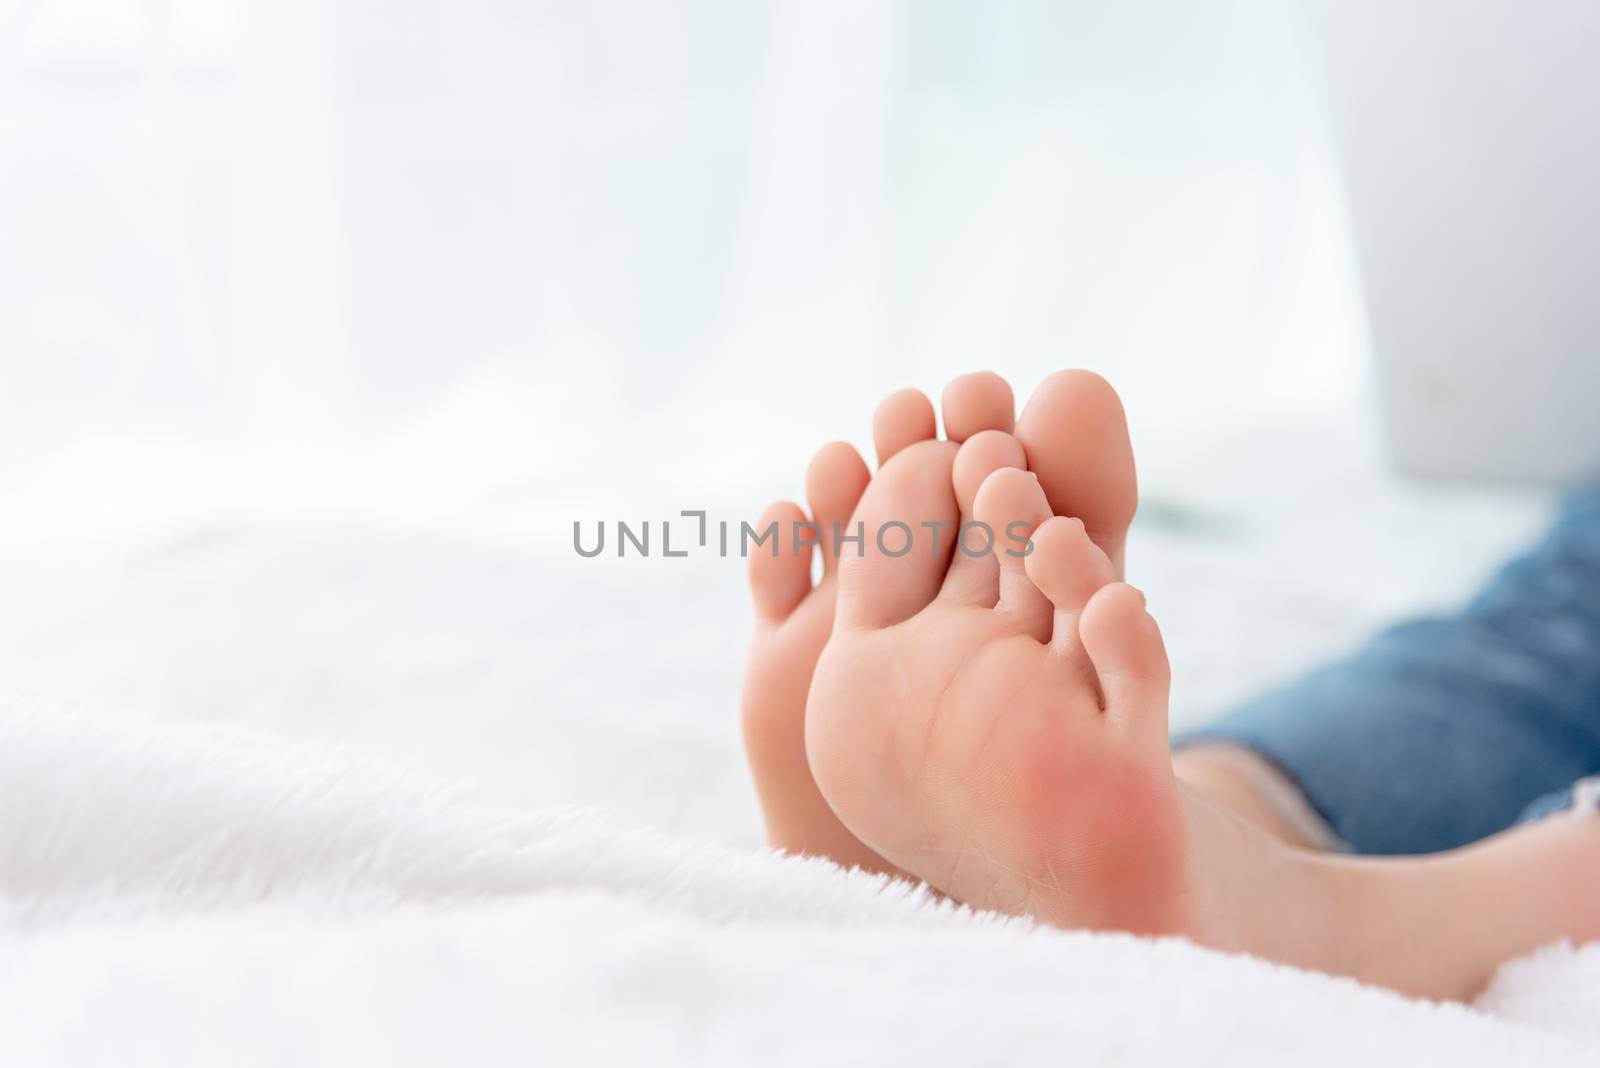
{"x": 1441, "y": 731}
{"x": 1008, "y": 745}
{"x": 1439, "y": 925}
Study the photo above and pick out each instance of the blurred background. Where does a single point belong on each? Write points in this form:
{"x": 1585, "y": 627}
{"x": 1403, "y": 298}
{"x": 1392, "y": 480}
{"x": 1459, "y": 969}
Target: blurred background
{"x": 407, "y": 256}
{"x": 322, "y": 322}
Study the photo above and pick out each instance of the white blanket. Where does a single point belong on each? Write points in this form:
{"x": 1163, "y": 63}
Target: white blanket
{"x": 208, "y": 855}
{"x": 181, "y": 895}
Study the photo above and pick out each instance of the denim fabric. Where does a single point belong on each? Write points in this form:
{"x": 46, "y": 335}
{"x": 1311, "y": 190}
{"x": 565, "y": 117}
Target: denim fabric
{"x": 1442, "y": 731}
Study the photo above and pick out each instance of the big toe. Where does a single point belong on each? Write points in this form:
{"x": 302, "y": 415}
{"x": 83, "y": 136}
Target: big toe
{"x": 1076, "y": 438}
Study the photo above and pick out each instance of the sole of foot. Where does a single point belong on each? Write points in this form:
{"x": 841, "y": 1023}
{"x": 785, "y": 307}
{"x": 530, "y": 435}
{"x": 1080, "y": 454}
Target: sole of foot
{"x": 1072, "y": 433}
{"x": 992, "y": 717}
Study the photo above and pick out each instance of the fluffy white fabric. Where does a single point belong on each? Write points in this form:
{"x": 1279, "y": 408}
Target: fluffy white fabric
{"x": 187, "y": 895}
{"x": 231, "y": 830}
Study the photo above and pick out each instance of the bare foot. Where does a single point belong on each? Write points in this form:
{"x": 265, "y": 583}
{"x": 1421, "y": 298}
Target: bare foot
{"x": 1001, "y": 734}
{"x": 1072, "y": 433}
{"x": 997, "y": 726}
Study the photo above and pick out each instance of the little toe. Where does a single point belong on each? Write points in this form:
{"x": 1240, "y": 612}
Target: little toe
{"x": 1124, "y": 645}
{"x": 1010, "y": 505}
{"x": 835, "y": 480}
{"x": 1068, "y": 568}
{"x": 779, "y": 576}
{"x": 977, "y": 402}
{"x": 903, "y": 418}
{"x": 908, "y": 523}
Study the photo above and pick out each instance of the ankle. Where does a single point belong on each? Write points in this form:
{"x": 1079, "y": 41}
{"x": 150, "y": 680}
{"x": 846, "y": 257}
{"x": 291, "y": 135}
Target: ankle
{"x": 1249, "y": 787}
{"x": 1264, "y": 896}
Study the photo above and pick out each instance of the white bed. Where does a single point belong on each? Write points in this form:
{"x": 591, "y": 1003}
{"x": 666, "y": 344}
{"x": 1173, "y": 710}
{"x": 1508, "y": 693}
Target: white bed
{"x": 316, "y": 792}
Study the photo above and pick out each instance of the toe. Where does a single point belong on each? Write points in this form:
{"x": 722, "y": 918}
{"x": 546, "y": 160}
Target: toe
{"x": 903, "y": 418}
{"x": 977, "y": 402}
{"x": 974, "y": 578}
{"x": 1011, "y": 505}
{"x": 1124, "y": 645}
{"x": 1068, "y": 568}
{"x": 834, "y": 481}
{"x": 908, "y": 516}
{"x": 981, "y": 456}
{"x": 1076, "y": 437}
{"x": 779, "y": 577}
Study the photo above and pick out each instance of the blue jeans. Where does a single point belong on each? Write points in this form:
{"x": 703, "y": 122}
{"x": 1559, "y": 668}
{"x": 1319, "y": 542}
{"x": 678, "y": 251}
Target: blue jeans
{"x": 1442, "y": 731}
